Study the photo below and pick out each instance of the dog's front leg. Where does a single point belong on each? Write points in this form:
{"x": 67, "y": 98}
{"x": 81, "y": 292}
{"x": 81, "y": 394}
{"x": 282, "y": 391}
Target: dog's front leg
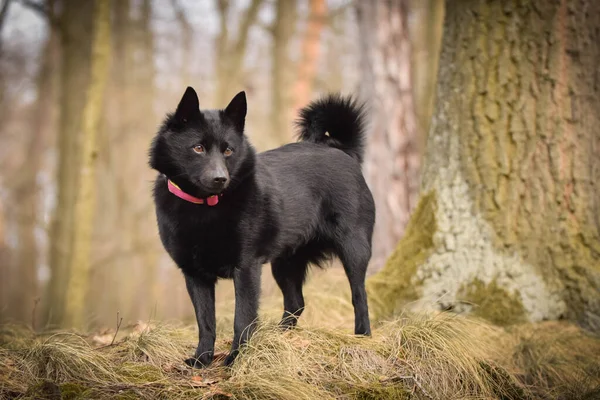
{"x": 246, "y": 281}
{"x": 202, "y": 294}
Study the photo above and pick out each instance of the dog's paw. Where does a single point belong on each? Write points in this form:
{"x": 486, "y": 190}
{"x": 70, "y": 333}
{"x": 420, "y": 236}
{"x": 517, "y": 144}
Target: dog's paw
{"x": 196, "y": 362}
{"x": 228, "y": 362}
{"x": 284, "y": 327}
{"x": 288, "y": 323}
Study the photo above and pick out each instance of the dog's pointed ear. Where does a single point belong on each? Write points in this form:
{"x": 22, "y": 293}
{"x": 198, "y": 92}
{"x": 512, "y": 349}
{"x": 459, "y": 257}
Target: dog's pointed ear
{"x": 189, "y": 106}
{"x": 236, "y": 110}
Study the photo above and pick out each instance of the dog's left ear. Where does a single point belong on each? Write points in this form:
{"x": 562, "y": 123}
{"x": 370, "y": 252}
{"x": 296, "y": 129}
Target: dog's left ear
{"x": 188, "y": 107}
{"x": 236, "y": 111}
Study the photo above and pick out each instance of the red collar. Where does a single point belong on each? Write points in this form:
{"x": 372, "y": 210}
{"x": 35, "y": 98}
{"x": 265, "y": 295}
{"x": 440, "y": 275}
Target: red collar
{"x": 176, "y": 190}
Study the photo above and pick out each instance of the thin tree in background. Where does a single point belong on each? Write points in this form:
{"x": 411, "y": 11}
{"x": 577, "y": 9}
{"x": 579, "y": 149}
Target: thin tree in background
{"x": 3, "y": 14}
{"x": 426, "y": 26}
{"x": 76, "y": 39}
{"x": 27, "y": 193}
{"x": 187, "y": 33}
{"x": 144, "y": 229}
{"x": 85, "y": 200}
{"x": 124, "y": 236}
{"x": 507, "y": 226}
{"x": 4, "y": 270}
{"x": 311, "y": 48}
{"x": 112, "y": 229}
{"x": 230, "y": 51}
{"x": 392, "y": 159}
{"x": 283, "y": 30}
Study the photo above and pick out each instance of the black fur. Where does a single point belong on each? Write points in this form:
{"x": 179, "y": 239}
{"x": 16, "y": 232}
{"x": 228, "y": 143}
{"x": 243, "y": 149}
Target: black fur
{"x": 291, "y": 206}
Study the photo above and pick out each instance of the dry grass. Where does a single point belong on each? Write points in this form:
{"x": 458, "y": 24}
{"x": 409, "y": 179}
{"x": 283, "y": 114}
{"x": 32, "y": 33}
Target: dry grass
{"x": 415, "y": 356}
{"x": 557, "y": 360}
{"x": 425, "y": 357}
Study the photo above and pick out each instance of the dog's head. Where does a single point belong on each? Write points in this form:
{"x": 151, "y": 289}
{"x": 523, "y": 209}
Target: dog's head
{"x": 203, "y": 149}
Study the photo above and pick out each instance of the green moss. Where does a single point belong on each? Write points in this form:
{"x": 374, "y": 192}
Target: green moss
{"x": 393, "y": 286}
{"x": 44, "y": 389}
{"x": 493, "y": 303}
{"x": 397, "y": 391}
{"x": 140, "y": 373}
{"x": 71, "y": 391}
{"x": 127, "y": 395}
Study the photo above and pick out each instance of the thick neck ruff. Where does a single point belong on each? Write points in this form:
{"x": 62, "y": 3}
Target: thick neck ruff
{"x": 176, "y": 190}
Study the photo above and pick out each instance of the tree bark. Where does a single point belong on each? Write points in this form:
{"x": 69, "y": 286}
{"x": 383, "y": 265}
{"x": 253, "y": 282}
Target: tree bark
{"x": 75, "y": 20}
{"x": 392, "y": 159}
{"x": 85, "y": 199}
{"x": 507, "y": 225}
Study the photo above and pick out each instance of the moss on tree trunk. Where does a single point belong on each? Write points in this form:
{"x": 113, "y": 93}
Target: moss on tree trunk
{"x": 512, "y": 155}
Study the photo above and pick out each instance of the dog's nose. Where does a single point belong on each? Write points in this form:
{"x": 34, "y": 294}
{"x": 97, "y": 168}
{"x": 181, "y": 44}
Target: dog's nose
{"x": 220, "y": 180}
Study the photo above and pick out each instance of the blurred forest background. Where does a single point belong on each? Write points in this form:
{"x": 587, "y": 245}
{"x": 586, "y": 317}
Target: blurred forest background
{"x": 483, "y": 156}
{"x": 79, "y": 106}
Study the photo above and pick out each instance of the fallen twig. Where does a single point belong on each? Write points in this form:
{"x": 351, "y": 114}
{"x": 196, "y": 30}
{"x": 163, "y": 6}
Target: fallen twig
{"x": 119, "y": 321}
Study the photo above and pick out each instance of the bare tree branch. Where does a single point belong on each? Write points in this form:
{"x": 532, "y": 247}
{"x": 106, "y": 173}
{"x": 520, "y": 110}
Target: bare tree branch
{"x": 187, "y": 32}
{"x": 180, "y": 15}
{"x": 3, "y": 14}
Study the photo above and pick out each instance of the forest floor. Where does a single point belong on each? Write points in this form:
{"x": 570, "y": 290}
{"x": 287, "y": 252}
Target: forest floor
{"x": 414, "y": 356}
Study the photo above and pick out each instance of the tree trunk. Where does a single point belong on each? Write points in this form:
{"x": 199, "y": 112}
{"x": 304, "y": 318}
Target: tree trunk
{"x": 75, "y": 20}
{"x": 311, "y": 47}
{"x": 144, "y": 228}
{"x": 85, "y": 198}
{"x": 507, "y": 226}
{"x": 27, "y": 193}
{"x": 110, "y": 227}
{"x": 281, "y": 101}
{"x": 392, "y": 159}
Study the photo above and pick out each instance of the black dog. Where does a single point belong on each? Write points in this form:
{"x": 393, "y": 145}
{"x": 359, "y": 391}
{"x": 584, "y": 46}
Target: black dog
{"x": 224, "y": 210}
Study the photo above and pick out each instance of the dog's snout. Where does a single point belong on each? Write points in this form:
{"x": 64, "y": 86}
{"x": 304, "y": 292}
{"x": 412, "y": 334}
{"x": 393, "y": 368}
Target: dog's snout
{"x": 216, "y": 176}
{"x": 217, "y": 179}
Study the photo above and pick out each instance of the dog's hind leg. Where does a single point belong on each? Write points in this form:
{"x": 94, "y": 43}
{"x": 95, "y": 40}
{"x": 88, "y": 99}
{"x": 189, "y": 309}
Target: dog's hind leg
{"x": 355, "y": 252}
{"x": 289, "y": 273}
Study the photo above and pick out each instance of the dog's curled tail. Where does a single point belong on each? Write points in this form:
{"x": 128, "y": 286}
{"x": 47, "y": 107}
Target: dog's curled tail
{"x": 336, "y": 121}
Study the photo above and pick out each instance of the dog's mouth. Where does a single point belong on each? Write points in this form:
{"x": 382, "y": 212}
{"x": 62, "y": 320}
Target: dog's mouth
{"x": 211, "y": 190}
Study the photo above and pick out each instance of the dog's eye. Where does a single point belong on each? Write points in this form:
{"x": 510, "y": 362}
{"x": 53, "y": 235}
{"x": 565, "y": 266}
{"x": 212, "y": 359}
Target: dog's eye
{"x": 228, "y": 151}
{"x": 198, "y": 149}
